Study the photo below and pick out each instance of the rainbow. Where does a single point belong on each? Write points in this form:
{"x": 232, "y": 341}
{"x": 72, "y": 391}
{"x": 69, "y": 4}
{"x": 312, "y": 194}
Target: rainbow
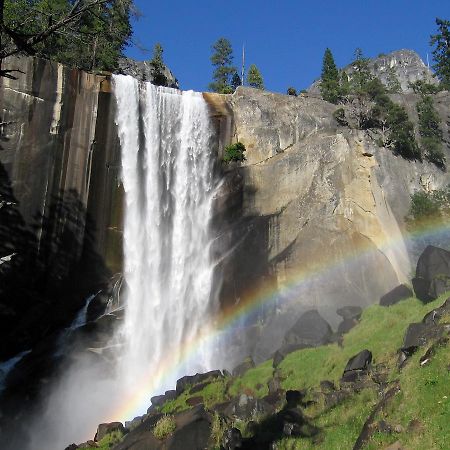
{"x": 249, "y": 306}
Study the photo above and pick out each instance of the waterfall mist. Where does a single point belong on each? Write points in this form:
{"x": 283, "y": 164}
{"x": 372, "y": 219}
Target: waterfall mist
{"x": 167, "y": 172}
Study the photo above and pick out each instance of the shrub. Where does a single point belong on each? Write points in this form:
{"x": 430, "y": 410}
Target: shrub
{"x": 339, "y": 116}
{"x": 218, "y": 428}
{"x": 424, "y": 88}
{"x": 429, "y": 205}
{"x": 292, "y": 91}
{"x": 164, "y": 427}
{"x": 234, "y": 152}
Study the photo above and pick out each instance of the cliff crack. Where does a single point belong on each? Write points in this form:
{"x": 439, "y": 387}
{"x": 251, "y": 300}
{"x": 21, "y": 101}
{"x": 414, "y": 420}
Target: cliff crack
{"x": 24, "y": 94}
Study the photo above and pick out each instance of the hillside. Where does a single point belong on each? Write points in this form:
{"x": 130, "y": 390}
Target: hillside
{"x": 371, "y": 407}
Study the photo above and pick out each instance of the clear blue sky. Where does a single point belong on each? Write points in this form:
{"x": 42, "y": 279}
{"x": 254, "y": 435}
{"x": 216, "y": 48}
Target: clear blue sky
{"x": 285, "y": 38}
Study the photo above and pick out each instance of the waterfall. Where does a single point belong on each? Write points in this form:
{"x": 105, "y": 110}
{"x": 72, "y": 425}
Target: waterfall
{"x": 167, "y": 171}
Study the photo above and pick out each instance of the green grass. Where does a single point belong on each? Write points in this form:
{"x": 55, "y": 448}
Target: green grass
{"x": 424, "y": 395}
{"x": 108, "y": 441}
{"x": 214, "y": 392}
{"x": 164, "y": 427}
{"x": 340, "y": 426}
{"x": 254, "y": 381}
{"x": 381, "y": 330}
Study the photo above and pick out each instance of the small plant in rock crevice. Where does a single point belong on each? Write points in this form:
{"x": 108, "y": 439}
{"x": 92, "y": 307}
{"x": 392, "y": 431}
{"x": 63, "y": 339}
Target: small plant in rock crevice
{"x": 164, "y": 427}
{"x": 234, "y": 152}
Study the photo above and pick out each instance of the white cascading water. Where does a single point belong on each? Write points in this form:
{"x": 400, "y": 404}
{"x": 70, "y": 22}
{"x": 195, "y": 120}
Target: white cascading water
{"x": 167, "y": 171}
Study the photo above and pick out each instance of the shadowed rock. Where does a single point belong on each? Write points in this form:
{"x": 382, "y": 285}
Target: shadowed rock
{"x": 311, "y": 330}
{"x": 397, "y": 294}
{"x": 357, "y": 366}
{"x": 432, "y": 273}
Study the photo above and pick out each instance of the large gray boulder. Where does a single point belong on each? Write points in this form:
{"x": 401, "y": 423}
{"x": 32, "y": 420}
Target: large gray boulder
{"x": 311, "y": 330}
{"x": 397, "y": 294}
{"x": 432, "y": 273}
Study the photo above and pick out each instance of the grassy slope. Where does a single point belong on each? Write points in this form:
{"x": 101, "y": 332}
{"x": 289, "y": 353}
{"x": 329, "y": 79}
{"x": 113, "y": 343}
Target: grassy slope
{"x": 381, "y": 330}
{"x": 424, "y": 395}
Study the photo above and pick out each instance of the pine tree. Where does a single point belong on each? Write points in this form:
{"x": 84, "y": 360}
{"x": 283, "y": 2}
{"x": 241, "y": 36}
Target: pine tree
{"x": 158, "y": 67}
{"x": 329, "y": 85}
{"x": 441, "y": 53}
{"x": 236, "y": 81}
{"x": 222, "y": 60}
{"x": 254, "y": 78}
{"x": 393, "y": 83}
{"x": 430, "y": 130}
{"x": 361, "y": 74}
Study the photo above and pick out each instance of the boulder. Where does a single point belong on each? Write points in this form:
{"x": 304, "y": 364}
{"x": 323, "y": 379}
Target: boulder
{"x": 311, "y": 330}
{"x": 246, "y": 407}
{"x": 294, "y": 398}
{"x": 194, "y": 401}
{"x": 439, "y": 286}
{"x": 141, "y": 436}
{"x": 327, "y": 386}
{"x": 357, "y": 366}
{"x": 105, "y": 428}
{"x": 419, "y": 335}
{"x": 232, "y": 439}
{"x": 361, "y": 361}
{"x": 193, "y": 430}
{"x": 191, "y": 380}
{"x": 432, "y": 273}
{"x": 158, "y": 400}
{"x": 243, "y": 367}
{"x": 397, "y": 294}
{"x": 274, "y": 385}
{"x": 346, "y": 325}
{"x": 421, "y": 288}
{"x": 434, "y": 316}
{"x": 433, "y": 261}
{"x": 349, "y": 312}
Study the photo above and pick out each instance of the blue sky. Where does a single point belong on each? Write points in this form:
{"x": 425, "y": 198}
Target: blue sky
{"x": 285, "y": 38}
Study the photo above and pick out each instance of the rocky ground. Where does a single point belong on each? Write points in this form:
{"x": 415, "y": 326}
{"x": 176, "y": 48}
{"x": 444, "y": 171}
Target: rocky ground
{"x": 380, "y": 381}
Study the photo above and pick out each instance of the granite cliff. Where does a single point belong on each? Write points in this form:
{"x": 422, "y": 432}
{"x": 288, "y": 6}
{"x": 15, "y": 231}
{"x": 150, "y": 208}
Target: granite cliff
{"x": 315, "y": 206}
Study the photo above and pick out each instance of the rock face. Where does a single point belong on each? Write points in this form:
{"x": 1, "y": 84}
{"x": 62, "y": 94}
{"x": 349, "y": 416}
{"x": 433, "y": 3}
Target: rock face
{"x": 59, "y": 170}
{"x": 142, "y": 70}
{"x": 316, "y": 211}
{"x": 407, "y": 65}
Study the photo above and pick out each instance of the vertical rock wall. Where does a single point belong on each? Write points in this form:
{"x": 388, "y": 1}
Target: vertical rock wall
{"x": 58, "y": 140}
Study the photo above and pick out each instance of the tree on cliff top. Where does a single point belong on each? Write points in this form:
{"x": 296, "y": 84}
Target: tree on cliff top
{"x": 441, "y": 53}
{"x": 330, "y": 79}
{"x": 222, "y": 60}
{"x": 158, "y": 67}
{"x": 88, "y": 34}
{"x": 254, "y": 77}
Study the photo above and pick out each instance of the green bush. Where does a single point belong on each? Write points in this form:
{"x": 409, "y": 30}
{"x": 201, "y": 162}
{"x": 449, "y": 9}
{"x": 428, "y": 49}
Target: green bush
{"x": 234, "y": 152}
{"x": 292, "y": 91}
{"x": 164, "y": 427}
{"x": 429, "y": 205}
